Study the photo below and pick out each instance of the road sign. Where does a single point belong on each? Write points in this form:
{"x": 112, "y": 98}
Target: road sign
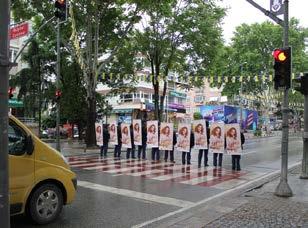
{"x": 277, "y": 7}
{"x": 19, "y": 31}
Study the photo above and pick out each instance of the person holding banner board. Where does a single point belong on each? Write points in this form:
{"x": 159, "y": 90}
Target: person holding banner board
{"x": 118, "y": 145}
{"x": 166, "y": 140}
{"x": 185, "y": 142}
{"x": 137, "y": 136}
{"x": 217, "y": 143}
{"x": 152, "y": 139}
{"x": 234, "y": 143}
{"x": 142, "y": 147}
{"x": 99, "y": 136}
{"x": 126, "y": 139}
{"x": 201, "y": 136}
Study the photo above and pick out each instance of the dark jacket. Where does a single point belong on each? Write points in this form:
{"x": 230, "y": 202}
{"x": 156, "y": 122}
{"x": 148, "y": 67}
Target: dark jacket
{"x": 174, "y": 138}
{"x": 242, "y": 139}
{"x": 119, "y": 134}
{"x": 192, "y": 140}
{"x": 106, "y": 135}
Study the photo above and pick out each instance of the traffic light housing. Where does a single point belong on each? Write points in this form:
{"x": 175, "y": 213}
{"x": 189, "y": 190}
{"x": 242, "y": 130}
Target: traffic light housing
{"x": 302, "y": 85}
{"x": 58, "y": 95}
{"x": 11, "y": 93}
{"x": 282, "y": 67}
{"x": 61, "y": 9}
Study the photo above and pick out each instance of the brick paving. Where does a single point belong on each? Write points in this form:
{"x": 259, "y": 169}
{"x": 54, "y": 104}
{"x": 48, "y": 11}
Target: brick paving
{"x": 265, "y": 211}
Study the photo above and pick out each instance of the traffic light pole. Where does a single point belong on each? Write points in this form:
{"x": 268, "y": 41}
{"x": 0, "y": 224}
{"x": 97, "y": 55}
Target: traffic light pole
{"x": 304, "y": 174}
{"x": 283, "y": 189}
{"x": 4, "y": 86}
{"x": 58, "y": 147}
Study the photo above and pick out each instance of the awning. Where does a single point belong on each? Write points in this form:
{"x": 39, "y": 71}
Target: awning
{"x": 14, "y": 103}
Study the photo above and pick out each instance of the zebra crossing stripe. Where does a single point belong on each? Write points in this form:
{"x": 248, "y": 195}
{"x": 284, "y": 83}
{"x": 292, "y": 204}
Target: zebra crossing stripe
{"x": 173, "y": 175}
{"x": 103, "y": 163}
{"x": 107, "y": 167}
{"x": 198, "y": 180}
{"x": 121, "y": 170}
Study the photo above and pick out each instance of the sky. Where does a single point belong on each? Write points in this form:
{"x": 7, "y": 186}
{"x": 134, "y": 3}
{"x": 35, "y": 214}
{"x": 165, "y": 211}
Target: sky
{"x": 240, "y": 11}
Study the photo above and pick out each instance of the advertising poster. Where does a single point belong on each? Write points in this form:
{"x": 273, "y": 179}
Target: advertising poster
{"x": 231, "y": 114}
{"x": 152, "y": 134}
{"x": 183, "y": 140}
{"x": 212, "y": 112}
{"x": 217, "y": 139}
{"x": 250, "y": 119}
{"x": 137, "y": 132}
{"x": 166, "y": 136}
{"x": 233, "y": 139}
{"x": 126, "y": 137}
{"x": 113, "y": 133}
{"x": 99, "y": 133}
{"x": 199, "y": 129}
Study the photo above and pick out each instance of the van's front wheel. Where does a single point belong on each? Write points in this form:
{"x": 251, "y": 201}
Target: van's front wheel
{"x": 45, "y": 204}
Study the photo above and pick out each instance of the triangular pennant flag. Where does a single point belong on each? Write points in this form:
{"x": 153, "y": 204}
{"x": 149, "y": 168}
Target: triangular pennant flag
{"x": 270, "y": 78}
{"x": 226, "y": 79}
{"x": 211, "y": 79}
{"x": 219, "y": 79}
{"x": 263, "y": 78}
{"x": 256, "y": 78}
{"x": 233, "y": 79}
{"x": 111, "y": 76}
{"x": 293, "y": 76}
{"x": 248, "y": 78}
{"x": 241, "y": 78}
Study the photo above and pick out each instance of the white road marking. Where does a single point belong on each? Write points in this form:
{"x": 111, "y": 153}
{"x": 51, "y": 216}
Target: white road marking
{"x": 229, "y": 184}
{"x": 147, "y": 172}
{"x": 136, "y": 195}
{"x": 146, "y": 223}
{"x": 175, "y": 175}
{"x": 199, "y": 180}
{"x": 101, "y": 162}
{"x": 132, "y": 168}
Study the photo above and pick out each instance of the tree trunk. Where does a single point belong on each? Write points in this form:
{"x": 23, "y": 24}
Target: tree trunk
{"x": 91, "y": 118}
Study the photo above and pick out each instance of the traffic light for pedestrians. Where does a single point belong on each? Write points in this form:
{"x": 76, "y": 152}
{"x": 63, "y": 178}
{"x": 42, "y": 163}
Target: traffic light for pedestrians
{"x": 302, "y": 85}
{"x": 282, "y": 67}
{"x": 61, "y": 9}
{"x": 58, "y": 95}
{"x": 11, "y": 93}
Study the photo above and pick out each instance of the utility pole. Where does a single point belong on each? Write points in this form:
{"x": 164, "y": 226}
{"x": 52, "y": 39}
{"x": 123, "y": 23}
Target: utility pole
{"x": 58, "y": 147}
{"x": 283, "y": 189}
{"x": 304, "y": 174}
{"x": 241, "y": 95}
{"x": 4, "y": 86}
{"x": 304, "y": 90}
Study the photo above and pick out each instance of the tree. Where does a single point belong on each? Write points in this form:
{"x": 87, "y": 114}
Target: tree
{"x": 250, "y": 54}
{"x": 180, "y": 36}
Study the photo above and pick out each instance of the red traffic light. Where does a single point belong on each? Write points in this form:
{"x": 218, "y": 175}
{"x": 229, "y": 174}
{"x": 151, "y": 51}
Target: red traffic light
{"x": 58, "y": 94}
{"x": 11, "y": 92}
{"x": 60, "y": 3}
{"x": 280, "y": 55}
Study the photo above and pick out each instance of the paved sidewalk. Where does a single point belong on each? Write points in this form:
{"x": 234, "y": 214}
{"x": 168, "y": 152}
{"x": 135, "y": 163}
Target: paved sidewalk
{"x": 255, "y": 208}
{"x": 264, "y": 209}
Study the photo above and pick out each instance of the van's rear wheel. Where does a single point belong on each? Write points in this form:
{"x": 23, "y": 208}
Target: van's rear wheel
{"x": 45, "y": 204}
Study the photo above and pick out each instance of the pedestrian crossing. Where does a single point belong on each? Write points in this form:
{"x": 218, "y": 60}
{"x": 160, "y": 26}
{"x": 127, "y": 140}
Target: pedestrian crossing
{"x": 164, "y": 171}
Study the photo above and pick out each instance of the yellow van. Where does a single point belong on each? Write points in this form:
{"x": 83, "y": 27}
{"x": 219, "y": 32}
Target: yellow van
{"x": 40, "y": 179}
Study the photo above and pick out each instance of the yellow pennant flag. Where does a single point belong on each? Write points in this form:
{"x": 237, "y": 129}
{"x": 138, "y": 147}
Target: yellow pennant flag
{"x": 256, "y": 78}
{"x": 270, "y": 78}
{"x": 103, "y": 76}
{"x": 226, "y": 79}
{"x": 111, "y": 76}
{"x": 211, "y": 79}
{"x": 233, "y": 79}
{"x": 263, "y": 78}
{"x": 248, "y": 78}
{"x": 219, "y": 79}
{"x": 241, "y": 78}
{"x": 293, "y": 76}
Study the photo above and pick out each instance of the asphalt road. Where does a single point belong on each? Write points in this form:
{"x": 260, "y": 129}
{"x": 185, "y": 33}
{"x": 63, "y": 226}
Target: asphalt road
{"x": 127, "y": 193}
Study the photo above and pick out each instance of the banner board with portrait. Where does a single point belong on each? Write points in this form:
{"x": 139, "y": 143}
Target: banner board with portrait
{"x": 200, "y": 134}
{"x": 233, "y": 139}
{"x": 183, "y": 139}
{"x": 137, "y": 132}
{"x": 166, "y": 136}
{"x": 126, "y": 137}
{"x": 152, "y": 134}
{"x": 113, "y": 132}
{"x": 99, "y": 134}
{"x": 217, "y": 138}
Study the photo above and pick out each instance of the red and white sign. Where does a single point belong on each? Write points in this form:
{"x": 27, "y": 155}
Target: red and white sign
{"x": 19, "y": 31}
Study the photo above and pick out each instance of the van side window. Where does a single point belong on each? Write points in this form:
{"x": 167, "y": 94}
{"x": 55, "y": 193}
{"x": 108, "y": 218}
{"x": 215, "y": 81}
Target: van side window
{"x": 17, "y": 139}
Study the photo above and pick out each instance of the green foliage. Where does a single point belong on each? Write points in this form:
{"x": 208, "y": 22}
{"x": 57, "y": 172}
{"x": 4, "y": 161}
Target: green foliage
{"x": 197, "y": 116}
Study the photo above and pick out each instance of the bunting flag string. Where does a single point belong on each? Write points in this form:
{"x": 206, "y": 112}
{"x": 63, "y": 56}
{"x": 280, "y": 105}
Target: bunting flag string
{"x": 194, "y": 78}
